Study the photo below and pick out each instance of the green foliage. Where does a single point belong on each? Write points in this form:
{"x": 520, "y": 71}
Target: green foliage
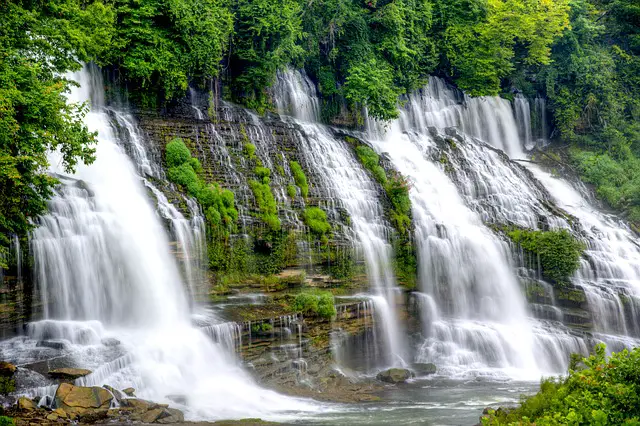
{"x": 218, "y": 204}
{"x": 369, "y": 84}
{"x": 291, "y": 191}
{"x": 371, "y": 161}
{"x": 315, "y": 304}
{"x": 604, "y": 392}
{"x": 39, "y": 43}
{"x": 268, "y": 211}
{"x": 263, "y": 327}
{"x": 7, "y": 385}
{"x": 7, "y": 421}
{"x": 316, "y": 219}
{"x": 559, "y": 252}
{"x": 161, "y": 45}
{"x": 300, "y": 178}
{"x": 263, "y": 174}
{"x": 249, "y": 149}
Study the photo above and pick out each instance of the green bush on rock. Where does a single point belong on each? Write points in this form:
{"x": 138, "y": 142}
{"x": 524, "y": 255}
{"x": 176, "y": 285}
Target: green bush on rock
{"x": 268, "y": 210}
{"x": 315, "y": 304}
{"x": 603, "y": 392}
{"x": 559, "y": 252}
{"x": 218, "y": 204}
{"x": 300, "y": 178}
{"x": 316, "y": 219}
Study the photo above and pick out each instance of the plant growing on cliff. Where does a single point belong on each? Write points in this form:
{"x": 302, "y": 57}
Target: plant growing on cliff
{"x": 268, "y": 210}
{"x": 559, "y": 252}
{"x": 315, "y": 304}
{"x": 300, "y": 178}
{"x": 316, "y": 219}
{"x": 218, "y": 204}
{"x": 599, "y": 390}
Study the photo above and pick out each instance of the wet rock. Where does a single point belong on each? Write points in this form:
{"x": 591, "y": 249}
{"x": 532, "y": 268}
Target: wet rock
{"x": 138, "y": 405}
{"x": 424, "y": 368}
{"x": 60, "y": 413}
{"x": 129, "y": 391}
{"x": 395, "y": 375}
{"x": 83, "y": 401}
{"x": 115, "y": 392}
{"x": 25, "y": 404}
{"x": 110, "y": 341}
{"x": 7, "y": 369}
{"x": 53, "y": 344}
{"x": 170, "y": 416}
{"x": 92, "y": 416}
{"x": 68, "y": 373}
{"x": 152, "y": 415}
{"x": 178, "y": 399}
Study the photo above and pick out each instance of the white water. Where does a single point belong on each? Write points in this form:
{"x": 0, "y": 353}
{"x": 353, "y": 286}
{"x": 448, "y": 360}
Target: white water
{"x": 473, "y": 305}
{"x": 347, "y": 182}
{"x": 105, "y": 271}
{"x": 475, "y": 318}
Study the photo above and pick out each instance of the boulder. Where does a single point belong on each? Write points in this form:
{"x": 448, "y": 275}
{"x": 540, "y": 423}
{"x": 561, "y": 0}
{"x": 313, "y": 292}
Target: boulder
{"x": 171, "y": 416}
{"x": 178, "y": 399}
{"x": 424, "y": 368}
{"x": 83, "y": 401}
{"x": 26, "y": 404}
{"x": 395, "y": 375}
{"x": 68, "y": 373}
{"x": 138, "y": 405}
{"x": 115, "y": 392}
{"x": 7, "y": 369}
{"x": 129, "y": 391}
{"x": 152, "y": 415}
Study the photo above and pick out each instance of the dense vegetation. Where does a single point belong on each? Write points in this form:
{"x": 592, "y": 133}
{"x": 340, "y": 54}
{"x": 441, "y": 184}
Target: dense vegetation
{"x": 601, "y": 391}
{"x": 580, "y": 54}
{"x": 557, "y": 252}
{"x": 315, "y": 303}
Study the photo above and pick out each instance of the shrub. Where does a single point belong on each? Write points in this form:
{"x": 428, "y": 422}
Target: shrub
{"x": 315, "y": 304}
{"x": 185, "y": 175}
{"x": 249, "y": 150}
{"x": 300, "y": 178}
{"x": 559, "y": 251}
{"x": 177, "y": 153}
{"x": 291, "y": 191}
{"x": 266, "y": 204}
{"x": 263, "y": 174}
{"x": 7, "y": 385}
{"x": 603, "y": 392}
{"x": 316, "y": 220}
{"x": 7, "y": 421}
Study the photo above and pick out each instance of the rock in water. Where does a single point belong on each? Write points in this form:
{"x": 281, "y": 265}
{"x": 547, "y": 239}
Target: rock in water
{"x": 395, "y": 375}
{"x": 424, "y": 368}
{"x": 68, "y": 373}
{"x": 129, "y": 391}
{"x": 83, "y": 401}
{"x": 7, "y": 369}
{"x": 26, "y": 404}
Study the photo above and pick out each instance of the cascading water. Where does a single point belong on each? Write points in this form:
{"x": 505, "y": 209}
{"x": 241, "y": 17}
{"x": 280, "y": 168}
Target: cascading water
{"x": 113, "y": 295}
{"x": 499, "y": 192}
{"x": 476, "y": 314}
{"x": 346, "y": 181}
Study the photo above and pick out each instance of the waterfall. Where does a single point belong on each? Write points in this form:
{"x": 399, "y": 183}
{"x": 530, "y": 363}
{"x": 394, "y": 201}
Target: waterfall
{"x": 346, "y": 181}
{"x": 462, "y": 185}
{"x": 113, "y": 295}
{"x": 476, "y": 317}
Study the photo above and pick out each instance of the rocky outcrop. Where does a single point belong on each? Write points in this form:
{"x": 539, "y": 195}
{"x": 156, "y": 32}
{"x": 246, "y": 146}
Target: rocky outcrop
{"x": 68, "y": 373}
{"x": 81, "y": 401}
{"x": 7, "y": 369}
{"x": 395, "y": 375}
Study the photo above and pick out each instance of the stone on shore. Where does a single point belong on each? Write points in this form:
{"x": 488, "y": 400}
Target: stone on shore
{"x": 395, "y": 375}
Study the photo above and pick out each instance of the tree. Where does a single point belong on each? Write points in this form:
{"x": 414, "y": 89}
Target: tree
{"x": 40, "y": 42}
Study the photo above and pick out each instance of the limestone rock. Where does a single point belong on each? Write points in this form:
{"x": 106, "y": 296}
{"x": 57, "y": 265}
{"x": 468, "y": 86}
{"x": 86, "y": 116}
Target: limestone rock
{"x": 171, "y": 415}
{"x": 26, "y": 404}
{"x": 395, "y": 375}
{"x": 138, "y": 405}
{"x": 152, "y": 415}
{"x": 68, "y": 373}
{"x": 85, "y": 401}
{"x": 129, "y": 391}
{"x": 424, "y": 368}
{"x": 7, "y": 369}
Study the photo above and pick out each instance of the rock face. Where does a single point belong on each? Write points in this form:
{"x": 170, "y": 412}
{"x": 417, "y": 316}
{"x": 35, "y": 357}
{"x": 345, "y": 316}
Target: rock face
{"x": 395, "y": 375}
{"x": 81, "y": 401}
{"x": 68, "y": 373}
{"x": 7, "y": 369}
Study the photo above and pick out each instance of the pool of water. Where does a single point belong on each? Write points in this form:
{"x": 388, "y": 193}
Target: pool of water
{"x": 435, "y": 401}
